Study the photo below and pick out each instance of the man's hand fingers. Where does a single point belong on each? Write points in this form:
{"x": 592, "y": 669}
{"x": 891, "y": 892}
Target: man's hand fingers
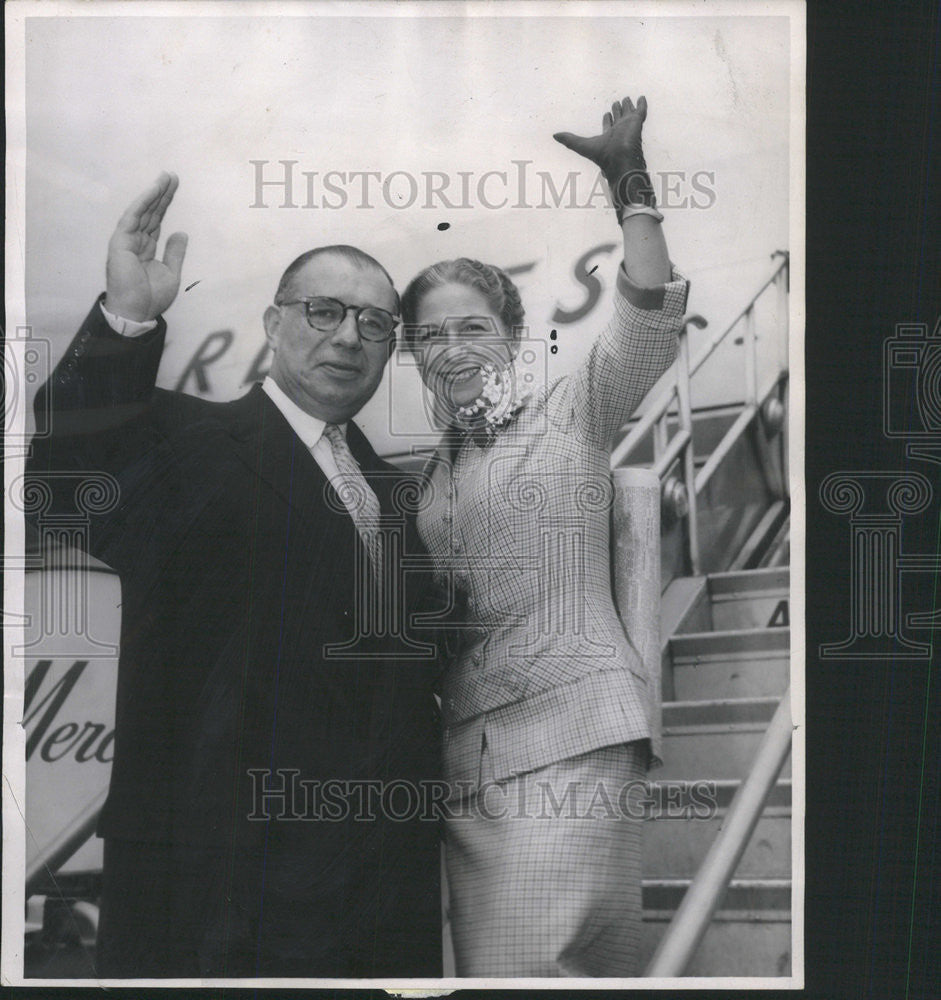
{"x": 142, "y": 205}
{"x": 627, "y": 106}
{"x": 616, "y": 110}
{"x": 642, "y": 107}
{"x": 159, "y": 210}
{"x": 174, "y": 252}
{"x": 153, "y": 216}
{"x": 607, "y": 121}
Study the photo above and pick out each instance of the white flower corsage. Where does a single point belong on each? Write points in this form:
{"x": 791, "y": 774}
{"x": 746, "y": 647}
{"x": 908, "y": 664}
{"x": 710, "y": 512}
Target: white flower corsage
{"x": 496, "y": 405}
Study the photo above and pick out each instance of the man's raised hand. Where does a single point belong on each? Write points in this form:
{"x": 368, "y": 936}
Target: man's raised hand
{"x": 140, "y": 287}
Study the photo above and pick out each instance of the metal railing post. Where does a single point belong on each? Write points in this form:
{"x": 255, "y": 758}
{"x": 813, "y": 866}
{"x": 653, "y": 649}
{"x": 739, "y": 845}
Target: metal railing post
{"x": 782, "y": 281}
{"x": 660, "y": 435}
{"x": 751, "y": 357}
{"x": 689, "y": 467}
{"x": 781, "y": 287}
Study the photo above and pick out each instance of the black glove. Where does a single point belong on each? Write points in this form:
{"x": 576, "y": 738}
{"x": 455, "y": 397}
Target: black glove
{"x": 619, "y": 152}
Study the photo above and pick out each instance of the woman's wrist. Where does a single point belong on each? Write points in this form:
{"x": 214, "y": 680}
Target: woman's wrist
{"x": 633, "y": 211}
{"x": 646, "y": 258}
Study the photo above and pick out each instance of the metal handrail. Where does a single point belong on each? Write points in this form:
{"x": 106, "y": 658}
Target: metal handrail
{"x": 663, "y": 402}
{"x": 678, "y": 393}
{"x": 682, "y": 370}
{"x": 708, "y": 349}
{"x": 721, "y": 450}
{"x": 695, "y": 912}
{"x": 68, "y": 841}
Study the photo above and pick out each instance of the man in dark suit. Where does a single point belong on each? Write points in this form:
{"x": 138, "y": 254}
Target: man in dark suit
{"x": 275, "y": 728}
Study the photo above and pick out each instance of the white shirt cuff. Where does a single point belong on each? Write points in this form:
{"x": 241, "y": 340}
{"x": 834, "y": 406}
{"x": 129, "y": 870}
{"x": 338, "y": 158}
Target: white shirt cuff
{"x": 127, "y": 327}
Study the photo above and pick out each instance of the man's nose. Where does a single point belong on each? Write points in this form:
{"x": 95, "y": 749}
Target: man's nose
{"x": 347, "y": 333}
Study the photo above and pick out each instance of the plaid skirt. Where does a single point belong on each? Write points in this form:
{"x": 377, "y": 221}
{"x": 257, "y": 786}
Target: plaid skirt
{"x": 544, "y": 870}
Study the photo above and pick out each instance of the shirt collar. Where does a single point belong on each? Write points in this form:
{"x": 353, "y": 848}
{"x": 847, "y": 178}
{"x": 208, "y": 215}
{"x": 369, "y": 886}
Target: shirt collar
{"x": 307, "y": 427}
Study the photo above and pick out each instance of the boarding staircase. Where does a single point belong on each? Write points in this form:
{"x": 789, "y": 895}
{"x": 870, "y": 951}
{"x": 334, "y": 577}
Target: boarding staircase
{"x": 725, "y": 661}
{"x": 725, "y": 664}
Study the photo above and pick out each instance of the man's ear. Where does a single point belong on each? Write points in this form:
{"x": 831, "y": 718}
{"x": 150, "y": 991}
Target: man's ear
{"x": 272, "y": 321}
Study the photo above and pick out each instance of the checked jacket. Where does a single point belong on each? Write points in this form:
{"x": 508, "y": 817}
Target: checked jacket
{"x": 521, "y": 530}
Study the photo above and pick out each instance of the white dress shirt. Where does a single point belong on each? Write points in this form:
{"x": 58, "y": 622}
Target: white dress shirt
{"x": 308, "y": 428}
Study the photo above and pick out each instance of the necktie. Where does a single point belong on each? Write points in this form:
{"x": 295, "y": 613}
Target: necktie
{"x": 357, "y": 495}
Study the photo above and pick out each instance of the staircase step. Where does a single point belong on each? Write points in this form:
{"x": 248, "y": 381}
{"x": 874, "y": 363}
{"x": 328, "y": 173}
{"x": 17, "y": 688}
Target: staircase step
{"x": 745, "y": 599}
{"x": 754, "y": 943}
{"x": 759, "y": 897}
{"x": 715, "y": 739}
{"x": 681, "y": 714}
{"x": 745, "y": 663}
{"x": 688, "y": 817}
{"x": 750, "y": 933}
{"x": 726, "y": 601}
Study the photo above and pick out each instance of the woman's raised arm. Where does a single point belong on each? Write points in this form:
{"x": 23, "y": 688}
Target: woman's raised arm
{"x": 619, "y": 152}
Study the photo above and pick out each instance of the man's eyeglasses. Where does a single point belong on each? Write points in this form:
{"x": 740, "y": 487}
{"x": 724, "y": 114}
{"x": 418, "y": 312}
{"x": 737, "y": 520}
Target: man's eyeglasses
{"x": 327, "y": 314}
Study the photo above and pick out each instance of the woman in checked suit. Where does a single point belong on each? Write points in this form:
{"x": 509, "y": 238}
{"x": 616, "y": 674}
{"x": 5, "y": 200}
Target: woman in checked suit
{"x": 546, "y": 708}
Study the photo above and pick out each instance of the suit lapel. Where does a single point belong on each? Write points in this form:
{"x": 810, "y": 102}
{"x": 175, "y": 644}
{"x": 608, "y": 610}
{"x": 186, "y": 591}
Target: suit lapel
{"x": 267, "y": 444}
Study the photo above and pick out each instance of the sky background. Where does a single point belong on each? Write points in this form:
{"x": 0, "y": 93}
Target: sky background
{"x": 112, "y": 100}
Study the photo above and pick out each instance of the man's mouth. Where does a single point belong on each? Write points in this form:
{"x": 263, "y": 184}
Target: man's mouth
{"x": 339, "y": 369}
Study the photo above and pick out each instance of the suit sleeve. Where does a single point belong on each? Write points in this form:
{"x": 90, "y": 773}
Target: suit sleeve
{"x": 634, "y": 350}
{"x": 98, "y": 401}
{"x": 103, "y": 378}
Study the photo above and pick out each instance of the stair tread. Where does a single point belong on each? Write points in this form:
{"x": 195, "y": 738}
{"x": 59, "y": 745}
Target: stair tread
{"x": 717, "y": 635}
{"x": 750, "y": 700}
{"x": 728, "y": 782}
{"x": 743, "y": 895}
{"x": 720, "y": 711}
{"x": 675, "y": 846}
{"x": 722, "y": 790}
{"x": 725, "y": 578}
{"x": 735, "y": 883}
